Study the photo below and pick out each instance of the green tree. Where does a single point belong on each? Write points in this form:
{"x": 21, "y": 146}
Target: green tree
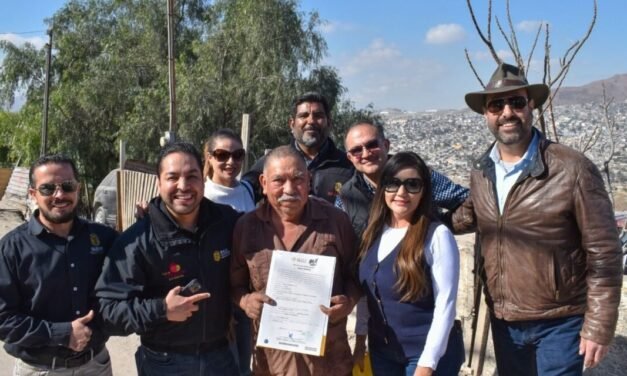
{"x": 255, "y": 60}
{"x": 109, "y": 78}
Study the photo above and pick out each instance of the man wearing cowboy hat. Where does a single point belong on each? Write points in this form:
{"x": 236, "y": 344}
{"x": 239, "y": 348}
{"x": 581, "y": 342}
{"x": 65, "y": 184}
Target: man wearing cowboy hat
{"x": 550, "y": 255}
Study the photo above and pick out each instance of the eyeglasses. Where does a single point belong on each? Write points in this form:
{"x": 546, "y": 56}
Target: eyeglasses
{"x": 412, "y": 185}
{"x": 371, "y": 146}
{"x": 224, "y": 155}
{"x": 48, "y": 189}
{"x": 496, "y": 106}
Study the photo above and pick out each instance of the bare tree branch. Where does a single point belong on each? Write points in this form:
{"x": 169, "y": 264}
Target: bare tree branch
{"x": 516, "y": 49}
{"x": 473, "y": 68}
{"x": 533, "y": 47}
{"x": 486, "y": 41}
{"x": 507, "y": 40}
{"x": 577, "y": 46}
{"x": 610, "y": 124}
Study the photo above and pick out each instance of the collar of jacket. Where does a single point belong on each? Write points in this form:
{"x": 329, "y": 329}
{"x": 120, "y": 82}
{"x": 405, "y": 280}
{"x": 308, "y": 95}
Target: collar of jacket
{"x": 536, "y": 167}
{"x": 363, "y": 185}
{"x": 166, "y": 230}
{"x": 328, "y": 153}
{"x": 36, "y": 228}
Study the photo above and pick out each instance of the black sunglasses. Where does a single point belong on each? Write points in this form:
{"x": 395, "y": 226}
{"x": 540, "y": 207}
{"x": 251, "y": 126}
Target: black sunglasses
{"x": 496, "y": 106}
{"x": 412, "y": 185}
{"x": 371, "y": 145}
{"x": 48, "y": 189}
{"x": 223, "y": 155}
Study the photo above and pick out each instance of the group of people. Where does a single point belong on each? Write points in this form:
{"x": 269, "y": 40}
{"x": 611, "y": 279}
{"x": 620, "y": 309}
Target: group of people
{"x": 190, "y": 276}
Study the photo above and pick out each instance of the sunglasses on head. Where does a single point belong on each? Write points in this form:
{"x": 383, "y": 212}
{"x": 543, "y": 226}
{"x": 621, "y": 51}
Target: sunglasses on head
{"x": 358, "y": 151}
{"x": 496, "y": 106}
{"x": 412, "y": 185}
{"x": 224, "y": 155}
{"x": 48, "y": 189}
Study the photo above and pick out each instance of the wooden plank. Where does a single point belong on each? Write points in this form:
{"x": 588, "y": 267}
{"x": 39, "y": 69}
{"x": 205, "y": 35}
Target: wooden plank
{"x": 135, "y": 187}
{"x": 5, "y": 176}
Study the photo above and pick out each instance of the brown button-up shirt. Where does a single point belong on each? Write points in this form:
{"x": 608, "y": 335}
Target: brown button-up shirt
{"x": 324, "y": 230}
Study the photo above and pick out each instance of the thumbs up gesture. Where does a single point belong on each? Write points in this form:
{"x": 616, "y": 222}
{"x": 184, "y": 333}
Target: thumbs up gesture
{"x": 81, "y": 333}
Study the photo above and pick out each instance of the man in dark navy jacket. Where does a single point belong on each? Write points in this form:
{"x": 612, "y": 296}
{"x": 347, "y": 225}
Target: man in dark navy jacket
{"x": 184, "y": 237}
{"x": 48, "y": 269}
{"x": 310, "y": 124}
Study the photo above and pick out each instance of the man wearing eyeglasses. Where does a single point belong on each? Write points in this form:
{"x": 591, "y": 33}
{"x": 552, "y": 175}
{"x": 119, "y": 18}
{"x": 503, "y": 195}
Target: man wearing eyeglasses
{"x": 48, "y": 269}
{"x": 550, "y": 253}
{"x": 310, "y": 124}
{"x": 367, "y": 149}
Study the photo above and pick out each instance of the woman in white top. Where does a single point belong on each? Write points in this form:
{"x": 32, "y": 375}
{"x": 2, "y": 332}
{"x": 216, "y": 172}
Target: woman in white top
{"x": 224, "y": 155}
{"x": 409, "y": 271}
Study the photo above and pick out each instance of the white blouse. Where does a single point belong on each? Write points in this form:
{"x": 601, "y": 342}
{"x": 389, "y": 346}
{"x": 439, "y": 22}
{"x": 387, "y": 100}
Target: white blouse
{"x": 442, "y": 255}
{"x": 237, "y": 197}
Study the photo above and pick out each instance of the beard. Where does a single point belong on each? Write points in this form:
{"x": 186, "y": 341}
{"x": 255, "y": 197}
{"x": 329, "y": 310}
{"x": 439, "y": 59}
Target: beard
{"x": 59, "y": 218}
{"x": 309, "y": 139}
{"x": 513, "y": 136}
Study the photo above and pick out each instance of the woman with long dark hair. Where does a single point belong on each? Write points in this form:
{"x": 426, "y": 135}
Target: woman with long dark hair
{"x": 409, "y": 270}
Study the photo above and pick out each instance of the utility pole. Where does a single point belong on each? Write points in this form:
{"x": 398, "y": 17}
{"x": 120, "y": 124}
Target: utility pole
{"x": 172, "y": 77}
{"x": 44, "y": 124}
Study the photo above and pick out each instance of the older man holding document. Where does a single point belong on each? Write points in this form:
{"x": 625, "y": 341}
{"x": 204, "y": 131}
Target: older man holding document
{"x": 293, "y": 222}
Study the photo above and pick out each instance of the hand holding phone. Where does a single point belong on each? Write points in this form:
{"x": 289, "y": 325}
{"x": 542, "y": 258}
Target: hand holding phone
{"x": 193, "y": 287}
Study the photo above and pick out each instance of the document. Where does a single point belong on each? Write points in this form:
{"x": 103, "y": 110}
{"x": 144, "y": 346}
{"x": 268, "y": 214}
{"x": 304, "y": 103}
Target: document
{"x": 299, "y": 283}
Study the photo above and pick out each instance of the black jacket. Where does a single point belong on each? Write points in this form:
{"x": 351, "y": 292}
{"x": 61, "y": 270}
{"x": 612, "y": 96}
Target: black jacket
{"x": 46, "y": 282}
{"x": 329, "y": 171}
{"x": 155, "y": 255}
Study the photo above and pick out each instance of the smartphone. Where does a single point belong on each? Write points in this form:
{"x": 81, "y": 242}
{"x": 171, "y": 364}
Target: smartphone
{"x": 193, "y": 287}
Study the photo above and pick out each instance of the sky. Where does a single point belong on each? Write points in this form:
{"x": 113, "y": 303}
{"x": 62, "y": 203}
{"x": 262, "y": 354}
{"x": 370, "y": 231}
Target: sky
{"x": 409, "y": 54}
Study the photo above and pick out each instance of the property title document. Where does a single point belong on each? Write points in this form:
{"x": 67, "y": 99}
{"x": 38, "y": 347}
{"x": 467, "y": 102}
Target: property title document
{"x": 299, "y": 283}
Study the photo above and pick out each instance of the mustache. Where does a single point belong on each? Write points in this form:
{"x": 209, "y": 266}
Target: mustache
{"x": 511, "y": 119}
{"x": 288, "y": 197}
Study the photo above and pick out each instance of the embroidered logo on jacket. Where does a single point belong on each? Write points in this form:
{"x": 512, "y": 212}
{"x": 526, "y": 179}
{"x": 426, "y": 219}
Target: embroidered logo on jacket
{"x": 96, "y": 247}
{"x": 221, "y": 254}
{"x": 175, "y": 271}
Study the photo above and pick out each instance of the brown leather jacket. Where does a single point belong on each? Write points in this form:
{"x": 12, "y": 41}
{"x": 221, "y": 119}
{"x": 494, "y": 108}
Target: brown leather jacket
{"x": 554, "y": 250}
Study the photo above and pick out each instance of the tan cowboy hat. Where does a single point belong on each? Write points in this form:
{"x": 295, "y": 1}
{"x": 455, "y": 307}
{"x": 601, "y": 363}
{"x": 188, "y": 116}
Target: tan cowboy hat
{"x": 507, "y": 78}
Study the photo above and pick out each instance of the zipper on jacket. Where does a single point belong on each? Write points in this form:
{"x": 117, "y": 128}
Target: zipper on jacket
{"x": 376, "y": 292}
{"x": 204, "y": 283}
{"x": 500, "y": 233}
{"x": 556, "y": 277}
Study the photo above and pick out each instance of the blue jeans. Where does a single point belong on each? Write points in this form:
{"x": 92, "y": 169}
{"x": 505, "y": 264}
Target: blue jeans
{"x": 386, "y": 362}
{"x": 242, "y": 347}
{"x": 218, "y": 362}
{"x": 538, "y": 347}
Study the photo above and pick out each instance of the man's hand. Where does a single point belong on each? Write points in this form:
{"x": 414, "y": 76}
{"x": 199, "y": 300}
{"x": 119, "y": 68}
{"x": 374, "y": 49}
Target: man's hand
{"x": 81, "y": 333}
{"x": 423, "y": 371}
{"x": 341, "y": 307}
{"x": 141, "y": 209}
{"x": 593, "y": 352}
{"x": 360, "y": 351}
{"x": 252, "y": 304}
{"x": 180, "y": 308}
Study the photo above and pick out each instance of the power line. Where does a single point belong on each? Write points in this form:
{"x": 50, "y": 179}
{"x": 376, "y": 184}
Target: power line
{"x": 23, "y": 32}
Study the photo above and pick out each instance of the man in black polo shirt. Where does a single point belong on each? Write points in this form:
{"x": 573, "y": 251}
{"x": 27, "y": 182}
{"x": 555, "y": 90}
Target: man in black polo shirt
{"x": 310, "y": 124}
{"x": 184, "y": 237}
{"x": 48, "y": 268}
